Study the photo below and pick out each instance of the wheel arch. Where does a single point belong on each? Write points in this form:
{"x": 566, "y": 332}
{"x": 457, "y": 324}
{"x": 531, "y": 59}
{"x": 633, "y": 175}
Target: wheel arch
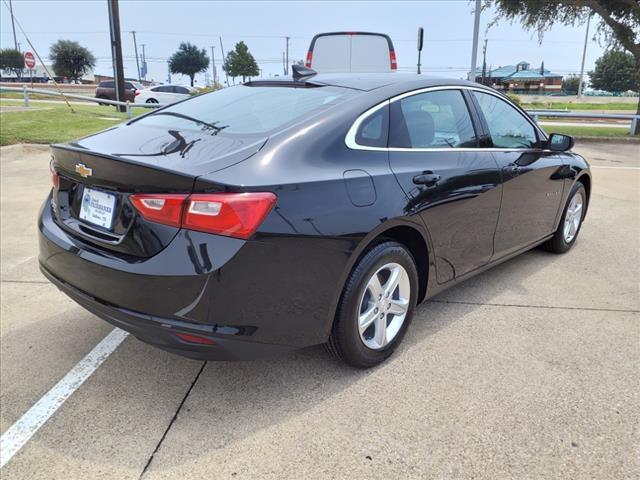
{"x": 411, "y": 235}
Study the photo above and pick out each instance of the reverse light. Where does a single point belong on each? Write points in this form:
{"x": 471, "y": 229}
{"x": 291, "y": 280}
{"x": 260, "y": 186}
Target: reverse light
{"x": 392, "y": 57}
{"x": 309, "y": 57}
{"x": 231, "y": 214}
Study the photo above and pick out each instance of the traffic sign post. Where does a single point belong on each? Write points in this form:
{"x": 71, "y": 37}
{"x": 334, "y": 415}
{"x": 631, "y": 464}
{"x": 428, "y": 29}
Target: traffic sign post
{"x": 30, "y": 63}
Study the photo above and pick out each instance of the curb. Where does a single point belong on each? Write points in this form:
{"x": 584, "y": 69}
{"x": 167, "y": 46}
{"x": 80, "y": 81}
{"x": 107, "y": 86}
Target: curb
{"x": 626, "y": 140}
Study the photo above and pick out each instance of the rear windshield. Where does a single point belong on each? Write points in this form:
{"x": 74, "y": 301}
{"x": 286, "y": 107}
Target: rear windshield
{"x": 248, "y": 110}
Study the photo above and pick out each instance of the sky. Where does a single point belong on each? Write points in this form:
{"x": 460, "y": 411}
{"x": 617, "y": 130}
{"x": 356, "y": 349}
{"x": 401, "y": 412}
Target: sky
{"x": 162, "y": 24}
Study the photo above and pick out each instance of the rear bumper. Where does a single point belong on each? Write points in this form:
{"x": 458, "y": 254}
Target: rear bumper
{"x": 161, "y": 332}
{"x": 250, "y": 297}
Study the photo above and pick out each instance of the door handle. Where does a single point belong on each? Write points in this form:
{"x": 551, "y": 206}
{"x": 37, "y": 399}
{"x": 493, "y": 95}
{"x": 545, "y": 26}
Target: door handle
{"x": 513, "y": 169}
{"x": 427, "y": 179}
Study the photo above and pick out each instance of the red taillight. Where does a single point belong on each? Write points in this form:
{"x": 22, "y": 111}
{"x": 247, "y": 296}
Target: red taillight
{"x": 309, "y": 57}
{"x": 55, "y": 177}
{"x": 137, "y": 92}
{"x": 187, "y": 337}
{"x": 165, "y": 209}
{"x": 392, "y": 57}
{"x": 231, "y": 214}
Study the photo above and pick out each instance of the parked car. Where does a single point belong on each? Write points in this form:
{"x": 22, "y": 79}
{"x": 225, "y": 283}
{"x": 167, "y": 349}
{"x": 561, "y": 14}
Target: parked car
{"x": 107, "y": 90}
{"x": 268, "y": 216}
{"x": 164, "y": 94}
{"x": 351, "y": 52}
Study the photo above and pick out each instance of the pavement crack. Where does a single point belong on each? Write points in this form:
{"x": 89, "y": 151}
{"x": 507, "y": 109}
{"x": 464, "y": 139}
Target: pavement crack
{"x": 173, "y": 419}
{"x": 551, "y": 307}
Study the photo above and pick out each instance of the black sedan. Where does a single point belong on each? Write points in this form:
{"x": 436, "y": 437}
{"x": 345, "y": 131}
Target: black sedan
{"x": 315, "y": 209}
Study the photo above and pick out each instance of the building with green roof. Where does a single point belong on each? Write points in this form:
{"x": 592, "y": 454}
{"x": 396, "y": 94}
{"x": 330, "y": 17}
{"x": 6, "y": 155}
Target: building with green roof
{"x": 521, "y": 78}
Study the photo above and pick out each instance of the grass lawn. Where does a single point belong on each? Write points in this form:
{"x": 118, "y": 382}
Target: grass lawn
{"x": 588, "y": 131}
{"x": 52, "y": 123}
{"x": 631, "y": 107}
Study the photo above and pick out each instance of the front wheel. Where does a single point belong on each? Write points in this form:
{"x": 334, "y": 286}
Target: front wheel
{"x": 376, "y": 306}
{"x": 565, "y": 236}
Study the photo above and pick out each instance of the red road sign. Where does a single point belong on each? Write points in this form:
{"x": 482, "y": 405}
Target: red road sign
{"x": 29, "y": 60}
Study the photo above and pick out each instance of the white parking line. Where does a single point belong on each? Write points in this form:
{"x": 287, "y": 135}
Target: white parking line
{"x": 20, "y": 432}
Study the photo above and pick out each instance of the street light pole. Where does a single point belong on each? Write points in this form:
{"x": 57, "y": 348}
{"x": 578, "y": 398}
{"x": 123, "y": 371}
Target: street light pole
{"x": 584, "y": 55}
{"x": 286, "y": 64}
{"x": 144, "y": 61}
{"x": 474, "y": 51}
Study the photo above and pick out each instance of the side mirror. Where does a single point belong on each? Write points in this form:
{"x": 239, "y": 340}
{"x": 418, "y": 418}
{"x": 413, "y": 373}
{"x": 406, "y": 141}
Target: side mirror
{"x": 560, "y": 143}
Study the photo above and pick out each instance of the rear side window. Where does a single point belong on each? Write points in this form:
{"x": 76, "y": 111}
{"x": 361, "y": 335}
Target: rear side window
{"x": 162, "y": 89}
{"x": 106, "y": 85}
{"x": 438, "y": 119}
{"x": 373, "y": 131}
{"x": 507, "y": 126}
{"x": 179, "y": 89}
{"x": 248, "y": 109}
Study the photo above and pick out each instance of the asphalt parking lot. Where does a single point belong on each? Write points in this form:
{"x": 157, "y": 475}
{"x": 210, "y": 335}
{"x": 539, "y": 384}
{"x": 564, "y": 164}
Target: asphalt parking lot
{"x": 531, "y": 370}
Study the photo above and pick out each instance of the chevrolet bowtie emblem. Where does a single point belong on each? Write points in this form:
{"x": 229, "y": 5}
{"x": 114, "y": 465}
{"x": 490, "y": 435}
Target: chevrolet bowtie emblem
{"x": 83, "y": 170}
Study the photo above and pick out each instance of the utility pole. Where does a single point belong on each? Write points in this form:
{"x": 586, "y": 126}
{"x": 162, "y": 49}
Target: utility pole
{"x": 484, "y": 61}
{"x": 474, "y": 51}
{"x": 144, "y": 61}
{"x": 584, "y": 56}
{"x": 116, "y": 51}
{"x": 135, "y": 49}
{"x": 13, "y": 26}
{"x": 226, "y": 74}
{"x": 286, "y": 64}
{"x": 168, "y": 72}
{"x": 213, "y": 64}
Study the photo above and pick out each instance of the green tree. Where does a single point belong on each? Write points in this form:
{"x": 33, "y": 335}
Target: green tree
{"x": 70, "y": 59}
{"x": 240, "y": 62}
{"x": 615, "y": 72}
{"x": 12, "y": 59}
{"x": 570, "y": 84}
{"x": 189, "y": 60}
{"x": 619, "y": 20}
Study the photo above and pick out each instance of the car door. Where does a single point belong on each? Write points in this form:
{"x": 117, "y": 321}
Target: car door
{"x": 179, "y": 93}
{"x": 449, "y": 181}
{"x": 532, "y": 186}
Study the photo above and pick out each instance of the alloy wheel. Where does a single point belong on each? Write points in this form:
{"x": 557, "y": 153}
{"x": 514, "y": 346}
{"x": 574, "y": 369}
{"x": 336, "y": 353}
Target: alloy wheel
{"x": 573, "y": 217}
{"x": 384, "y": 305}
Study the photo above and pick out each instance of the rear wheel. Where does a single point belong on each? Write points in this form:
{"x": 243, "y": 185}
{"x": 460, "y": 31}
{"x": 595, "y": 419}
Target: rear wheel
{"x": 376, "y": 307}
{"x": 104, "y": 98}
{"x": 152, "y": 100}
{"x": 565, "y": 236}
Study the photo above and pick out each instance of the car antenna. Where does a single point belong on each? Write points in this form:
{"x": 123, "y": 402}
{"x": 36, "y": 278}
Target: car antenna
{"x": 300, "y": 72}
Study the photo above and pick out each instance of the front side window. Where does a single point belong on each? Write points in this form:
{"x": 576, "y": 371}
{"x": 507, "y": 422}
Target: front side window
{"x": 507, "y": 126}
{"x": 438, "y": 119}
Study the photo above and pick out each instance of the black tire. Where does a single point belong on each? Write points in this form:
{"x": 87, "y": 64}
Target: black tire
{"x": 103, "y": 104}
{"x": 152, "y": 100}
{"x": 345, "y": 341}
{"x": 558, "y": 243}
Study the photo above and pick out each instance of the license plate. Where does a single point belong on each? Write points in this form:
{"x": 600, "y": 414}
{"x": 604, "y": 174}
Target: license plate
{"x": 97, "y": 207}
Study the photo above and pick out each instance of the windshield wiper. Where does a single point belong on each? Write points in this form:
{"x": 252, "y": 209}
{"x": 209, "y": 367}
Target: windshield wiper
{"x": 213, "y": 125}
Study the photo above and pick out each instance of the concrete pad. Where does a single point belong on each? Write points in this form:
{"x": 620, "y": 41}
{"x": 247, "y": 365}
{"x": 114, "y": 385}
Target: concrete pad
{"x": 24, "y": 184}
{"x": 111, "y": 426}
{"x": 477, "y": 392}
{"x": 43, "y": 335}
